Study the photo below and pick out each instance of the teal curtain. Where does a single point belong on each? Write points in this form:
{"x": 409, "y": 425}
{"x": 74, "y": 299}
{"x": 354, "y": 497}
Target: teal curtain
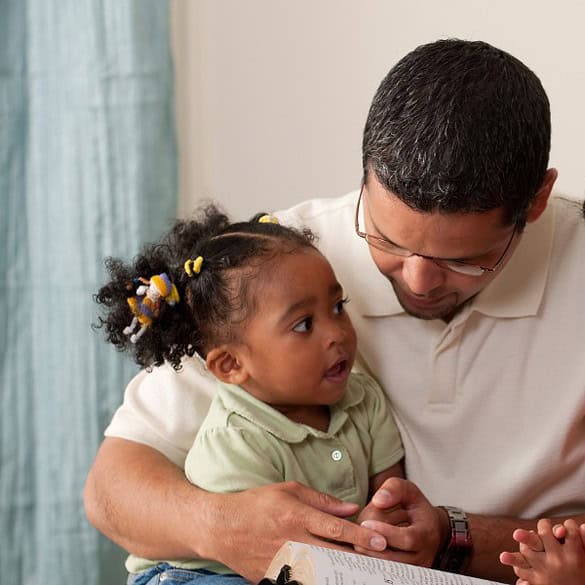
{"x": 87, "y": 170}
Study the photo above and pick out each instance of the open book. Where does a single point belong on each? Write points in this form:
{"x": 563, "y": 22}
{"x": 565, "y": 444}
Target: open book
{"x": 315, "y": 565}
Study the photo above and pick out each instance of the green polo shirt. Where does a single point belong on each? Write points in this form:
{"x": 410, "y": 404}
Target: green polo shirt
{"x": 244, "y": 443}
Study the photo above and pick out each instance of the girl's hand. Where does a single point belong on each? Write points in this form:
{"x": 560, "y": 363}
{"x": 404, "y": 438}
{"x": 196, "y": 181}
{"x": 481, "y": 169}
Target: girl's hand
{"x": 550, "y": 556}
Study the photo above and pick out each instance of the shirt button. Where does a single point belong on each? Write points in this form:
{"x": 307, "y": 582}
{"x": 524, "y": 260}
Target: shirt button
{"x": 336, "y": 455}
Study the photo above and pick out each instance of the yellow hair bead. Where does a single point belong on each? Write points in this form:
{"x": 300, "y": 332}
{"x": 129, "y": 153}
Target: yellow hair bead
{"x": 268, "y": 219}
{"x": 193, "y": 266}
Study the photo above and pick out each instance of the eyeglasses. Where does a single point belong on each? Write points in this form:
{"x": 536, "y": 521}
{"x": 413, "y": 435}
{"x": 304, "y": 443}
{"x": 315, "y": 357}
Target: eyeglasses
{"x": 454, "y": 265}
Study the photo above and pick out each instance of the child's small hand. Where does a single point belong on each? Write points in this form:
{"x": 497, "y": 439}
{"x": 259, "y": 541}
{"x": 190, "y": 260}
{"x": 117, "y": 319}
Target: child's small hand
{"x": 553, "y": 555}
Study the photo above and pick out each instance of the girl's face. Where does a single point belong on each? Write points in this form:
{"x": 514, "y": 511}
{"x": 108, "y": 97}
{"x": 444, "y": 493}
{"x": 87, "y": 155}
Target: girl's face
{"x": 299, "y": 348}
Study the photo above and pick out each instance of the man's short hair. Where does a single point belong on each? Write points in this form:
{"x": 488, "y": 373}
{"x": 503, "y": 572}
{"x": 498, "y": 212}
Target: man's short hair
{"x": 459, "y": 126}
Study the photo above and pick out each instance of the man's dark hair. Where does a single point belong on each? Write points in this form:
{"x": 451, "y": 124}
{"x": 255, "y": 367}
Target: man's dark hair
{"x": 459, "y": 126}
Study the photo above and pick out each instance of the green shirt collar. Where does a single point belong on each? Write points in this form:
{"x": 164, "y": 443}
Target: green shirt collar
{"x": 240, "y": 402}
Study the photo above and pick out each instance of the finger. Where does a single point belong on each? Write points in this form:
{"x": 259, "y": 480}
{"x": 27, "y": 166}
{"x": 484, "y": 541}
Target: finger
{"x": 529, "y": 539}
{"x": 559, "y": 531}
{"x": 526, "y": 574}
{"x": 582, "y": 533}
{"x": 395, "y": 491}
{"x": 403, "y": 538}
{"x": 514, "y": 559}
{"x": 395, "y": 516}
{"x": 321, "y": 501}
{"x": 572, "y": 540}
{"x": 339, "y": 530}
{"x": 545, "y": 531}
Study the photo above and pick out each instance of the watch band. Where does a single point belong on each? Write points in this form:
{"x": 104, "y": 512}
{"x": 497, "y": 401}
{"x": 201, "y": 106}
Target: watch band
{"x": 455, "y": 554}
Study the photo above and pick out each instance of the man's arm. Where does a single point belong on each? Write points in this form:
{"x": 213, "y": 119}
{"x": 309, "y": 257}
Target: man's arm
{"x": 144, "y": 503}
{"x": 419, "y": 542}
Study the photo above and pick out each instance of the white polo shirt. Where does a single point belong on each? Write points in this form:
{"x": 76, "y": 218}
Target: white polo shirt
{"x": 491, "y": 406}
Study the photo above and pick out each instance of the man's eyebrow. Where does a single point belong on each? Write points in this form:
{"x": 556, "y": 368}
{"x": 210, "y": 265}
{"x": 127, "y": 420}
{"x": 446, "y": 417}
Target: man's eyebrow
{"x": 452, "y": 259}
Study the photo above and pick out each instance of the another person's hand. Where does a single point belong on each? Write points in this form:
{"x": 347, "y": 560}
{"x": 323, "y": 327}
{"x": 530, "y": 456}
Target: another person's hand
{"x": 550, "y": 556}
{"x": 413, "y": 528}
{"x": 395, "y": 515}
{"x": 250, "y": 526}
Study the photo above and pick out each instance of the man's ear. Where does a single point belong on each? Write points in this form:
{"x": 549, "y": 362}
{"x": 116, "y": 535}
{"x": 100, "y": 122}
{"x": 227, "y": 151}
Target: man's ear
{"x": 540, "y": 200}
{"x": 225, "y": 364}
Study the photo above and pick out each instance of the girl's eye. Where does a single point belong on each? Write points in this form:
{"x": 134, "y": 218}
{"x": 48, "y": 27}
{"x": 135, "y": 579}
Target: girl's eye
{"x": 304, "y": 326}
{"x": 339, "y": 306}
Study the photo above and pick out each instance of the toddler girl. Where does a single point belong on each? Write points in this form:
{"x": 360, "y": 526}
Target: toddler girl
{"x": 262, "y": 307}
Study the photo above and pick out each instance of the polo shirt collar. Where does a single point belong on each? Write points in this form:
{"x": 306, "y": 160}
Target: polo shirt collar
{"x": 242, "y": 403}
{"x": 516, "y": 292}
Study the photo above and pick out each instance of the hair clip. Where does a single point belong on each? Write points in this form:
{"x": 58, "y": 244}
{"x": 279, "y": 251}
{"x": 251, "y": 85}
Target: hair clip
{"x": 145, "y": 304}
{"x": 193, "y": 266}
{"x": 267, "y": 218}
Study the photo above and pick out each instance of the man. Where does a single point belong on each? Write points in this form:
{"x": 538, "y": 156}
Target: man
{"x": 465, "y": 285}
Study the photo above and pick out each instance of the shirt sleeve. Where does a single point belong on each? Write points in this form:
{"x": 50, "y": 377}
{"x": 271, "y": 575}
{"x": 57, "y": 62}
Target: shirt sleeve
{"x": 232, "y": 459}
{"x": 387, "y": 449}
{"x": 164, "y": 409}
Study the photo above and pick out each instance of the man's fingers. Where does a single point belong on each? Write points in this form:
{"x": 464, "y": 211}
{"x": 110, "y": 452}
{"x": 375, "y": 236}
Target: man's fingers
{"x": 394, "y": 516}
{"x": 321, "y": 501}
{"x": 319, "y": 519}
{"x": 318, "y": 514}
{"x": 337, "y": 530}
{"x": 396, "y": 491}
{"x": 403, "y": 538}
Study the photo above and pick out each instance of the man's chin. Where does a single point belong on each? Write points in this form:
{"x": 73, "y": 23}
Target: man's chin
{"x": 443, "y": 308}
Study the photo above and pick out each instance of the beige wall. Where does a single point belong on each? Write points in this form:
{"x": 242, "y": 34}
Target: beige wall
{"x": 272, "y": 96}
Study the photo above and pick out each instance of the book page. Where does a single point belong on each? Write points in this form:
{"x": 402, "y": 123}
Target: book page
{"x": 312, "y": 565}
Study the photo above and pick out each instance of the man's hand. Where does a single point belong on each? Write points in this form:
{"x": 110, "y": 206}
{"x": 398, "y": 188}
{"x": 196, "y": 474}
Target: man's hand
{"x": 413, "y": 528}
{"x": 144, "y": 503}
{"x": 395, "y": 515}
{"x": 247, "y": 528}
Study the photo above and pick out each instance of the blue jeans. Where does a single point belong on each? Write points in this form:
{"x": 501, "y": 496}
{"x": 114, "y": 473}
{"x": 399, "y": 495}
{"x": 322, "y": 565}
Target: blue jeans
{"x": 166, "y": 574}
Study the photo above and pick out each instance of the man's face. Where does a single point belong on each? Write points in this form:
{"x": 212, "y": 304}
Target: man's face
{"x": 424, "y": 289}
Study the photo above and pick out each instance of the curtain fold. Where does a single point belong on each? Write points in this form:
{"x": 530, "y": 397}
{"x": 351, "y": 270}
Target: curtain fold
{"x": 87, "y": 169}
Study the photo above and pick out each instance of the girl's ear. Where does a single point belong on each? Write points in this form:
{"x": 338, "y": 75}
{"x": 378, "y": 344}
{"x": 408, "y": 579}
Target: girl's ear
{"x": 224, "y": 363}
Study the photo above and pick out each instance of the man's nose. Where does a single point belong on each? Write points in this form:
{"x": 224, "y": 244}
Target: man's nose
{"x": 421, "y": 275}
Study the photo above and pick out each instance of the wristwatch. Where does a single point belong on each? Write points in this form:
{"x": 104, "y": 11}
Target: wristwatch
{"x": 455, "y": 554}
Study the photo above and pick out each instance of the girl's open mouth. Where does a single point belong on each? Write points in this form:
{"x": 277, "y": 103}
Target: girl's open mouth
{"x": 338, "y": 372}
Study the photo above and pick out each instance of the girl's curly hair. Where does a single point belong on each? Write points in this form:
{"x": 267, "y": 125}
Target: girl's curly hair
{"x": 214, "y": 303}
